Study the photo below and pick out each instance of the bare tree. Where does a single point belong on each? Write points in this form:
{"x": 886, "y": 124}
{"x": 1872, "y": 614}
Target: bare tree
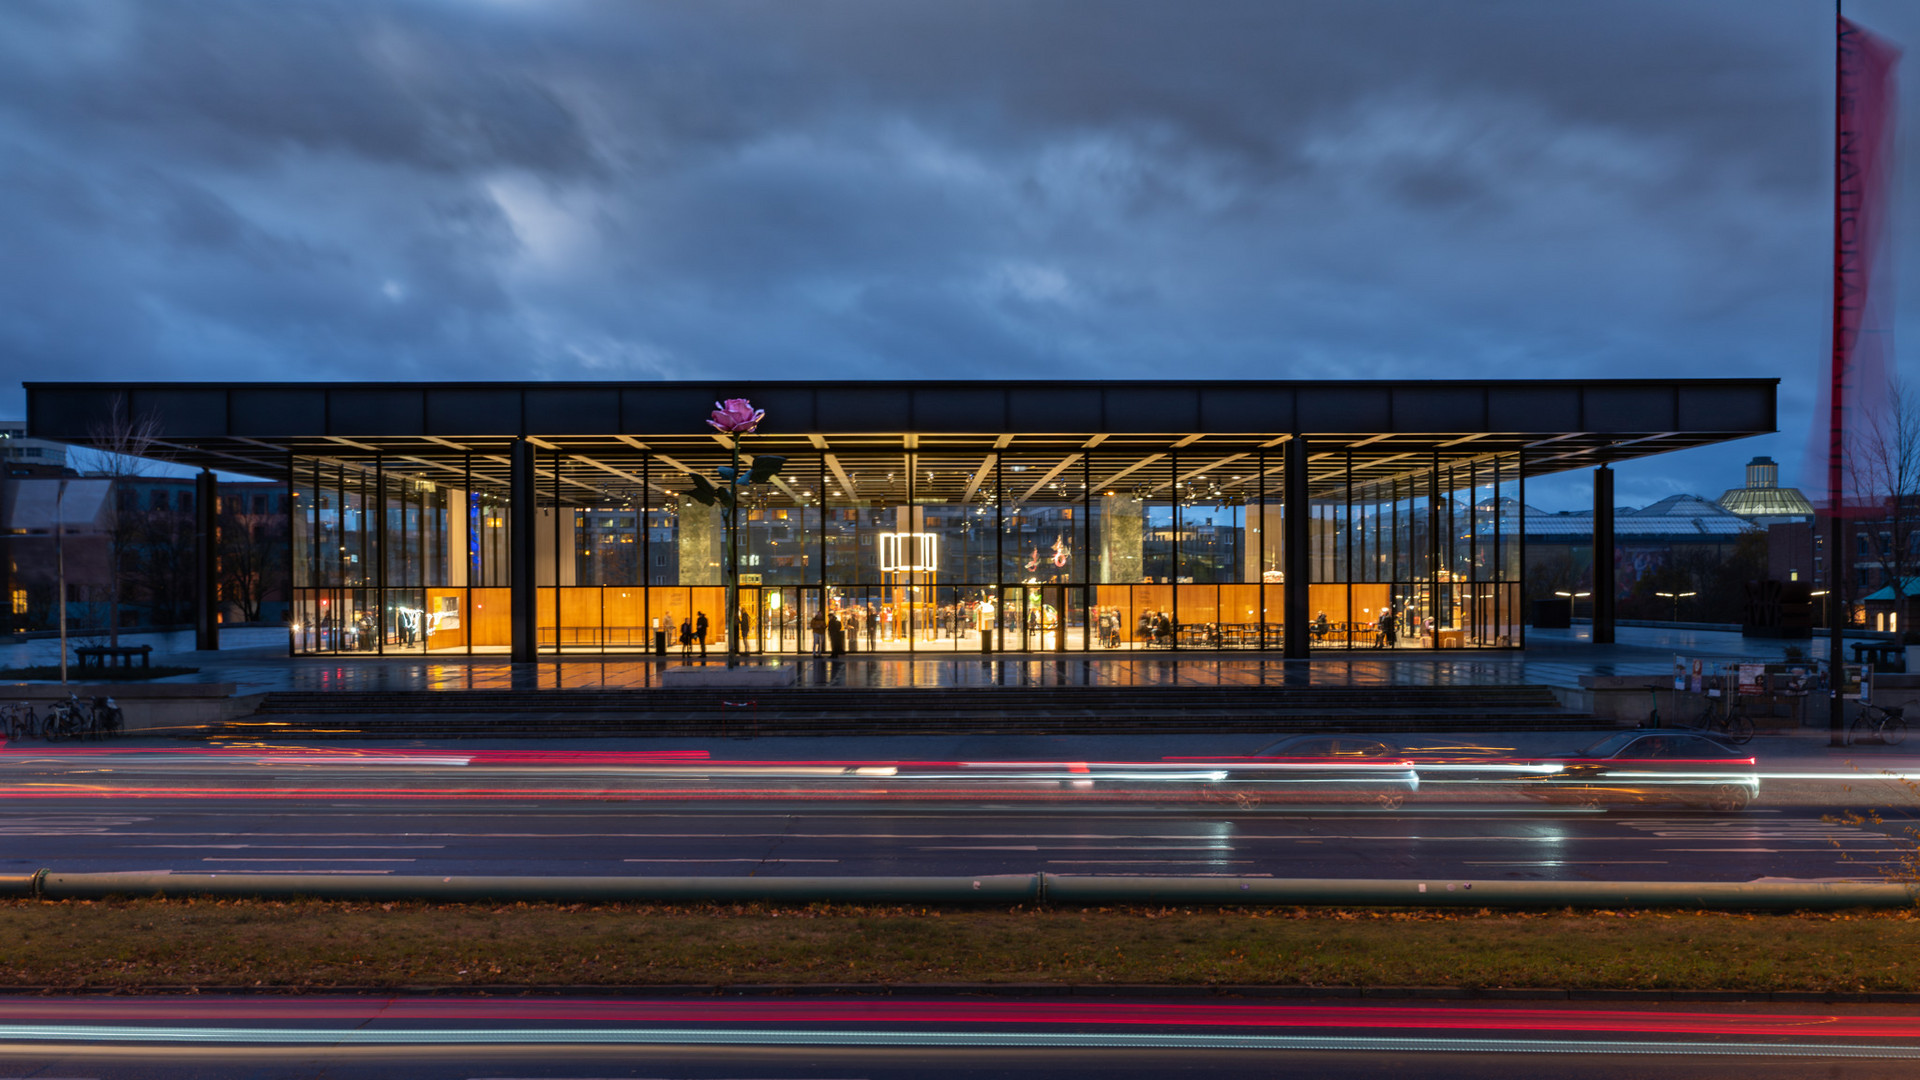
{"x": 121, "y": 442}
{"x": 1883, "y": 465}
{"x": 253, "y": 557}
{"x": 158, "y": 562}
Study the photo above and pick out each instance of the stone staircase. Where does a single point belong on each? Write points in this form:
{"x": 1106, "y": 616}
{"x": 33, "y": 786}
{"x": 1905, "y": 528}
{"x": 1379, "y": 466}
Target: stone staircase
{"x": 900, "y": 711}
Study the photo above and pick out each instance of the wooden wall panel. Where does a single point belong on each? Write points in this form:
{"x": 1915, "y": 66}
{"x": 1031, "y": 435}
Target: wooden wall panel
{"x": 492, "y": 621}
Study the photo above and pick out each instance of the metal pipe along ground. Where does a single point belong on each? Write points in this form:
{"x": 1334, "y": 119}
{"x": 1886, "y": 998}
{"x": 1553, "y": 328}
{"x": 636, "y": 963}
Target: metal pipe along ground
{"x": 991, "y": 889}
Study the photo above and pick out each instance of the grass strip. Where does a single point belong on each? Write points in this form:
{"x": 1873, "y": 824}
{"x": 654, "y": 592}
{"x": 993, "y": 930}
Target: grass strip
{"x": 314, "y": 945}
{"x": 116, "y": 673}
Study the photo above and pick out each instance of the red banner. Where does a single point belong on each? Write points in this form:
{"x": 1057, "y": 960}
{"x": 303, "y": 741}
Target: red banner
{"x": 1862, "y": 321}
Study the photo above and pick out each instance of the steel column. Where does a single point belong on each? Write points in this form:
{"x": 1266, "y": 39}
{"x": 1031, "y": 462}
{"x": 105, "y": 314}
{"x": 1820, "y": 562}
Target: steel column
{"x": 1603, "y": 555}
{"x": 523, "y": 518}
{"x": 206, "y": 541}
{"x": 1297, "y": 533}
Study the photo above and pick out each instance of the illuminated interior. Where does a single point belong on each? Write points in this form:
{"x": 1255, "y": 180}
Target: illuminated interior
{"x": 919, "y": 534}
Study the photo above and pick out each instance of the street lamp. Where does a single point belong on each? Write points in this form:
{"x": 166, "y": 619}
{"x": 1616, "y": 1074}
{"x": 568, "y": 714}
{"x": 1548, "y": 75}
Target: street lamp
{"x": 1675, "y": 597}
{"x": 1571, "y": 598}
{"x": 60, "y": 570}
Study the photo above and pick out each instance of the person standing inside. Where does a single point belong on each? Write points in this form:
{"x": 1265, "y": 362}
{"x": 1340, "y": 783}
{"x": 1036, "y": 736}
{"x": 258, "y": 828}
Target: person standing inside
{"x": 700, "y": 633}
{"x": 686, "y": 639}
{"x": 836, "y": 635}
{"x": 1389, "y": 629}
{"x": 818, "y": 626}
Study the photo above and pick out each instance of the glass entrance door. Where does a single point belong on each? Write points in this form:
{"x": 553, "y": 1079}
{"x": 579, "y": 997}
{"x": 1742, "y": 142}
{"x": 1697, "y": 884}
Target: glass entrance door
{"x": 783, "y": 613}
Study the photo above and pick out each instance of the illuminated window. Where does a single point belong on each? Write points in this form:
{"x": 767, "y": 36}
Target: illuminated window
{"x": 19, "y": 601}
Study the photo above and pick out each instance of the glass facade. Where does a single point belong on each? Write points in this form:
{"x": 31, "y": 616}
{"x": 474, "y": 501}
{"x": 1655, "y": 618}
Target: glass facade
{"x": 931, "y": 548}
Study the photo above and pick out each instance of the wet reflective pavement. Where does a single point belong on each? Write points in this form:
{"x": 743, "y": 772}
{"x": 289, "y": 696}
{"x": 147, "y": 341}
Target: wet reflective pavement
{"x": 1551, "y": 658}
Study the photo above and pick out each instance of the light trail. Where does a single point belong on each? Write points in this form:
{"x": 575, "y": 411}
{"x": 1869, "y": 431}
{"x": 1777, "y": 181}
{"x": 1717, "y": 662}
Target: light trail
{"x": 967, "y": 1039}
{"x": 1399, "y": 784}
{"x": 129, "y": 1012}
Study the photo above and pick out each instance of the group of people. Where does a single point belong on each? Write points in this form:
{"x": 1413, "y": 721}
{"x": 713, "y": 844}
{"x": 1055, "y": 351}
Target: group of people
{"x": 693, "y": 631}
{"x": 834, "y": 636}
{"x": 409, "y": 627}
{"x": 1154, "y": 628}
{"x": 1387, "y": 628}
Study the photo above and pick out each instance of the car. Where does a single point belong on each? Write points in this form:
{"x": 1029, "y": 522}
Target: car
{"x": 1650, "y": 766}
{"x": 1339, "y": 768}
{"x": 1455, "y": 767}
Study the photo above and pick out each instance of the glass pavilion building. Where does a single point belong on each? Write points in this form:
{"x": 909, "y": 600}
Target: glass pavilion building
{"x": 556, "y": 518}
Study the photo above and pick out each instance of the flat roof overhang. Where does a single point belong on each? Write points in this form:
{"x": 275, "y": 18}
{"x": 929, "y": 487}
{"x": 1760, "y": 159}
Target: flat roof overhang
{"x": 1147, "y": 434}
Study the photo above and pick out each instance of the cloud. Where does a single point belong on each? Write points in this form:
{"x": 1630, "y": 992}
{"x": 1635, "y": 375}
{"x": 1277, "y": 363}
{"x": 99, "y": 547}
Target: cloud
{"x": 918, "y": 188}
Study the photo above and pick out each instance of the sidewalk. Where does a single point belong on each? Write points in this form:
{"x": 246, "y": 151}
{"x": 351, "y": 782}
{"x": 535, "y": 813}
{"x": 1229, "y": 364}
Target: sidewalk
{"x": 1805, "y": 747}
{"x": 1551, "y": 658}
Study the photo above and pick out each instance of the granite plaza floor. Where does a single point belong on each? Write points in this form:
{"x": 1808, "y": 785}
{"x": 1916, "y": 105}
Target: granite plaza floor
{"x": 256, "y": 660}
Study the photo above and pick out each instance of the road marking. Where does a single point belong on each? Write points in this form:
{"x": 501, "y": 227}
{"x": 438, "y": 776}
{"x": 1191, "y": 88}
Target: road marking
{"x": 728, "y": 860}
{"x": 295, "y": 858}
{"x": 290, "y": 873}
{"x": 1156, "y": 862}
{"x": 297, "y": 847}
{"x": 1077, "y": 847}
{"x": 1576, "y": 862}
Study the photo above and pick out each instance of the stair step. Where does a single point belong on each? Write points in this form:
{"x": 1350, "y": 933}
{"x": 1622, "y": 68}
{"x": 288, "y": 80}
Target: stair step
{"x": 1028, "y": 710}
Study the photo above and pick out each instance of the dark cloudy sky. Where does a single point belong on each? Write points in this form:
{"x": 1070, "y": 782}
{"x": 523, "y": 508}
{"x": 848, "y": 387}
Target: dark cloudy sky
{"x": 555, "y": 189}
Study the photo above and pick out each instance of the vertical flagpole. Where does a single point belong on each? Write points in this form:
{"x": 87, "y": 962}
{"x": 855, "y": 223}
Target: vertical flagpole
{"x": 1839, "y": 609}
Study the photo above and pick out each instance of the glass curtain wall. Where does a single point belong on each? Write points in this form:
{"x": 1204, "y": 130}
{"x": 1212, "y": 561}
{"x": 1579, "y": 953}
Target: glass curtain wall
{"x": 937, "y": 548}
{"x": 372, "y": 560}
{"x": 1423, "y": 559}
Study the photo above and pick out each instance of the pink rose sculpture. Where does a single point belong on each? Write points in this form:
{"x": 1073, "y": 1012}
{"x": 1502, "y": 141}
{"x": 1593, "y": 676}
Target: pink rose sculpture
{"x": 735, "y": 416}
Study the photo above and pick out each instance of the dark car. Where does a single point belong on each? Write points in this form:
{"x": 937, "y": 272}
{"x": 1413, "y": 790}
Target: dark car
{"x": 1651, "y": 767}
{"x": 1331, "y": 767}
{"x": 1454, "y": 767}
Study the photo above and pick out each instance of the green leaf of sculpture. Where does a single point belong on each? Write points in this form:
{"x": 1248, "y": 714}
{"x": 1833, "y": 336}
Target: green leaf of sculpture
{"x": 765, "y": 468}
{"x": 703, "y": 492}
{"x": 726, "y": 473}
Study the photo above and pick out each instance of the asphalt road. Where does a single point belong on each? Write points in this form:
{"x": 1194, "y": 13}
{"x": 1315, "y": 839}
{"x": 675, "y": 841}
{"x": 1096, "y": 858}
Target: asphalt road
{"x": 680, "y": 813}
{"x": 513, "y": 837}
{"x": 430, "y": 1038}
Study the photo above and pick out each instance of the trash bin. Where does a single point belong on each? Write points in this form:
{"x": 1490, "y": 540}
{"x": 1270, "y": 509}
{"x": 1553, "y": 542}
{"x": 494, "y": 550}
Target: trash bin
{"x": 986, "y": 640}
{"x": 659, "y": 643}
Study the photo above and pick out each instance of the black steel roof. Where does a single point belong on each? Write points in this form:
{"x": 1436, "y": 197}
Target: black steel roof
{"x": 1151, "y": 434}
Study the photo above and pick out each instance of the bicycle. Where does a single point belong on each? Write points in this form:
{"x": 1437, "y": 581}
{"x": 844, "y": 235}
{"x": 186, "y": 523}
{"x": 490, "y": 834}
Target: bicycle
{"x": 18, "y": 721}
{"x": 107, "y": 720}
{"x": 1736, "y": 726}
{"x": 66, "y": 720}
{"x": 1886, "y": 723}
{"x": 73, "y": 718}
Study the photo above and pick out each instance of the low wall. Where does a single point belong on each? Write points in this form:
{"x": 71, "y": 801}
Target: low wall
{"x": 150, "y": 707}
{"x": 1625, "y": 701}
{"x": 1900, "y": 690}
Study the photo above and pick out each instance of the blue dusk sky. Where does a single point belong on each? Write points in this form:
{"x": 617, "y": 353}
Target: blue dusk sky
{"x": 901, "y": 189}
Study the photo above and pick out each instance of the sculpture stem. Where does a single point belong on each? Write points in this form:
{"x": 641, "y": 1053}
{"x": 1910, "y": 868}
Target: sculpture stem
{"x": 732, "y": 614}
